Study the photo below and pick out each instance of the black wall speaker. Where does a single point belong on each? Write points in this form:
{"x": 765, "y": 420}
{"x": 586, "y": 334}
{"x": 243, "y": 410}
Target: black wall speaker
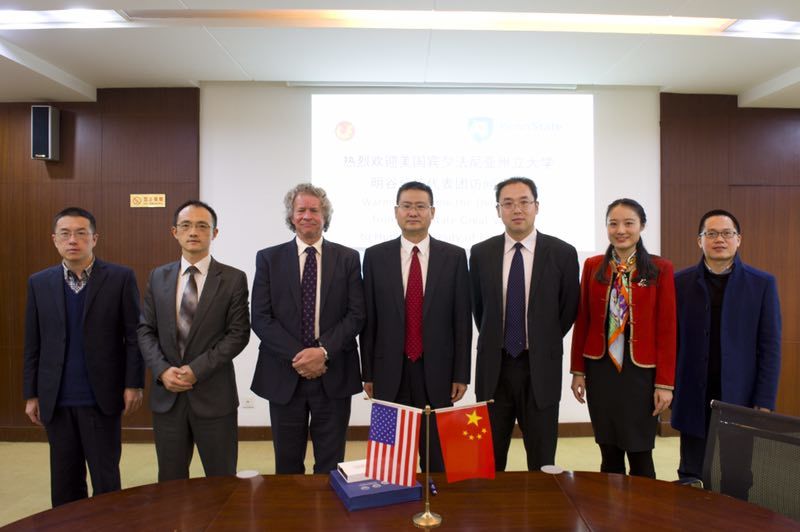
{"x": 44, "y": 133}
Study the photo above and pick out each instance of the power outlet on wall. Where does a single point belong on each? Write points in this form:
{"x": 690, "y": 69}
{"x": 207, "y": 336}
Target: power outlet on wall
{"x": 249, "y": 402}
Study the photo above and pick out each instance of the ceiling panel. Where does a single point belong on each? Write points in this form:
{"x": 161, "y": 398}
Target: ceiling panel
{"x": 182, "y": 53}
{"x": 328, "y": 54}
{"x": 724, "y": 65}
{"x": 517, "y": 57}
{"x": 21, "y": 84}
{"x": 131, "y": 57}
{"x": 40, "y": 5}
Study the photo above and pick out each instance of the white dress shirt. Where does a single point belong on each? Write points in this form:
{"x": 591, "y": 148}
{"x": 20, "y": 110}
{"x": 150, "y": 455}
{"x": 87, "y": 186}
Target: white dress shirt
{"x": 407, "y": 252}
{"x": 528, "y": 250}
{"x": 301, "y": 253}
{"x": 199, "y": 279}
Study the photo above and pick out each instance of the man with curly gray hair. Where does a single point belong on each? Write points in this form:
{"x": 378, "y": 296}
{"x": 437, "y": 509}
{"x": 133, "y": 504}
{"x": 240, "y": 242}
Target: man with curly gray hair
{"x": 308, "y": 308}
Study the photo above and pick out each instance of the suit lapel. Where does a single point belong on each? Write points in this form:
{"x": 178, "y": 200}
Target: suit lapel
{"x": 540, "y": 258}
{"x": 495, "y": 273}
{"x": 329, "y": 259}
{"x": 96, "y": 280}
{"x": 391, "y": 265}
{"x": 292, "y": 262}
{"x": 56, "y": 282}
{"x": 435, "y": 261}
{"x": 210, "y": 288}
{"x": 167, "y": 306}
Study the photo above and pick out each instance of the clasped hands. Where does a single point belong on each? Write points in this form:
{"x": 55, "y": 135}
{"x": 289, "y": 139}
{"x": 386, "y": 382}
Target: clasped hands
{"x": 310, "y": 363}
{"x": 178, "y": 379}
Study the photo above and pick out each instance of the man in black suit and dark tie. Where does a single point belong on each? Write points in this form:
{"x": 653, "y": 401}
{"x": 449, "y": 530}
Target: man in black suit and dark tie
{"x": 415, "y": 348}
{"x": 308, "y": 307}
{"x": 82, "y": 362}
{"x": 525, "y": 293}
{"x": 195, "y": 320}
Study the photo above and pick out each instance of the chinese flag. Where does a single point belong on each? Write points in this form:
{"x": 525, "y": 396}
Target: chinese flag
{"x": 466, "y": 439}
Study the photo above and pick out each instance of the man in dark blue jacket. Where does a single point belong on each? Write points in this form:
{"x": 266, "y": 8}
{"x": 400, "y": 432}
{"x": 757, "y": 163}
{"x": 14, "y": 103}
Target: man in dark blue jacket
{"x": 729, "y": 336}
{"x": 83, "y": 367}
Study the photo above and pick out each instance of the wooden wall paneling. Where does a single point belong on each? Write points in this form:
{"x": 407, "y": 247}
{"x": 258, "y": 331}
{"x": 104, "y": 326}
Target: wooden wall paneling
{"x": 788, "y": 391}
{"x": 12, "y": 274}
{"x": 80, "y": 145}
{"x": 694, "y": 138}
{"x": 771, "y": 242}
{"x": 763, "y": 151}
{"x": 156, "y": 101}
{"x": 150, "y": 135}
{"x": 130, "y": 141}
{"x": 5, "y": 113}
{"x": 765, "y": 147}
{"x": 13, "y": 288}
{"x": 681, "y": 208}
{"x": 79, "y": 139}
{"x": 18, "y": 165}
{"x": 142, "y": 236}
{"x": 10, "y": 397}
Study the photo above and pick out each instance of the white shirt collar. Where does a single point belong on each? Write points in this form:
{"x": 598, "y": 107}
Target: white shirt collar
{"x": 202, "y": 265}
{"x": 301, "y": 246}
{"x": 528, "y": 242}
{"x": 424, "y": 245}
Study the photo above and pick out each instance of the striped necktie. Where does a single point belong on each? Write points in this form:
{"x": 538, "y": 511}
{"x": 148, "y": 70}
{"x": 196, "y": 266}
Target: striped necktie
{"x": 188, "y": 308}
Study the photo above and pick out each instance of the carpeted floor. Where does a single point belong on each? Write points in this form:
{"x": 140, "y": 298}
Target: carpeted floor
{"x": 25, "y": 485}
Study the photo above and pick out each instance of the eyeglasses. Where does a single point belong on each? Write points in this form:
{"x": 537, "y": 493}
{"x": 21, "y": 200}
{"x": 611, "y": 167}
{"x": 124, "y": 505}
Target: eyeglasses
{"x": 80, "y": 234}
{"x": 203, "y": 227}
{"x": 419, "y": 207}
{"x": 727, "y": 234}
{"x": 524, "y": 204}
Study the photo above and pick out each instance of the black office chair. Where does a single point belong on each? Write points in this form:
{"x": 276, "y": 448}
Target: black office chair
{"x": 754, "y": 456}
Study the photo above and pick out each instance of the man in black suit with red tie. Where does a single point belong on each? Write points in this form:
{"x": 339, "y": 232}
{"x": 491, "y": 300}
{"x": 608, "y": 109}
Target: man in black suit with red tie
{"x": 82, "y": 362}
{"x": 308, "y": 307}
{"x": 415, "y": 347}
{"x": 525, "y": 293}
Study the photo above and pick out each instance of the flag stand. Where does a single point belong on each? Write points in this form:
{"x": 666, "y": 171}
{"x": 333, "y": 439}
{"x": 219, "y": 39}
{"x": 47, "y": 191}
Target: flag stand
{"x": 427, "y": 519}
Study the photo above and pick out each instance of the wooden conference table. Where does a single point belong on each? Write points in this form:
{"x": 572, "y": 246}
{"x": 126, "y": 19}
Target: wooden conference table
{"x": 513, "y": 501}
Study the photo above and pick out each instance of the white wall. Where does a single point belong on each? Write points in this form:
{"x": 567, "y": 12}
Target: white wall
{"x": 255, "y": 145}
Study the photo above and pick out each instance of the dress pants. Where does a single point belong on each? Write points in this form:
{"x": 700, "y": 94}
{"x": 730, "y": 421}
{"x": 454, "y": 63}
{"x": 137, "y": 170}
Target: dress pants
{"x": 178, "y": 430}
{"x": 693, "y": 452}
{"x": 81, "y": 435}
{"x": 514, "y": 402}
{"x": 328, "y": 427}
{"x": 412, "y": 392}
{"x": 613, "y": 461}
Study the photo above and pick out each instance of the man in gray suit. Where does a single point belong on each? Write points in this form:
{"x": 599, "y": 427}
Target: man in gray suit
{"x": 195, "y": 320}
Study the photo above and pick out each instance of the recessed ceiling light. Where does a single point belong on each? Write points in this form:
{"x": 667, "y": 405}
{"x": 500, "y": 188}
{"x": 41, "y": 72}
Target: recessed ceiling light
{"x": 434, "y": 20}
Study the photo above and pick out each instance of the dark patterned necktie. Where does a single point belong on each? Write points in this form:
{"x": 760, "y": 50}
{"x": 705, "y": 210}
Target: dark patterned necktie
{"x": 413, "y": 346}
{"x": 308, "y": 288}
{"x": 514, "y": 342}
{"x": 188, "y": 308}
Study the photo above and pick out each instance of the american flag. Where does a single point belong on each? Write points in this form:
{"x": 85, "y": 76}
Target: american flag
{"x": 393, "y": 445}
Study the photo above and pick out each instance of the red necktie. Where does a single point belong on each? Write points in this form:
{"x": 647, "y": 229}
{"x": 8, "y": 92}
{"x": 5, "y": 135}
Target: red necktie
{"x": 413, "y": 347}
